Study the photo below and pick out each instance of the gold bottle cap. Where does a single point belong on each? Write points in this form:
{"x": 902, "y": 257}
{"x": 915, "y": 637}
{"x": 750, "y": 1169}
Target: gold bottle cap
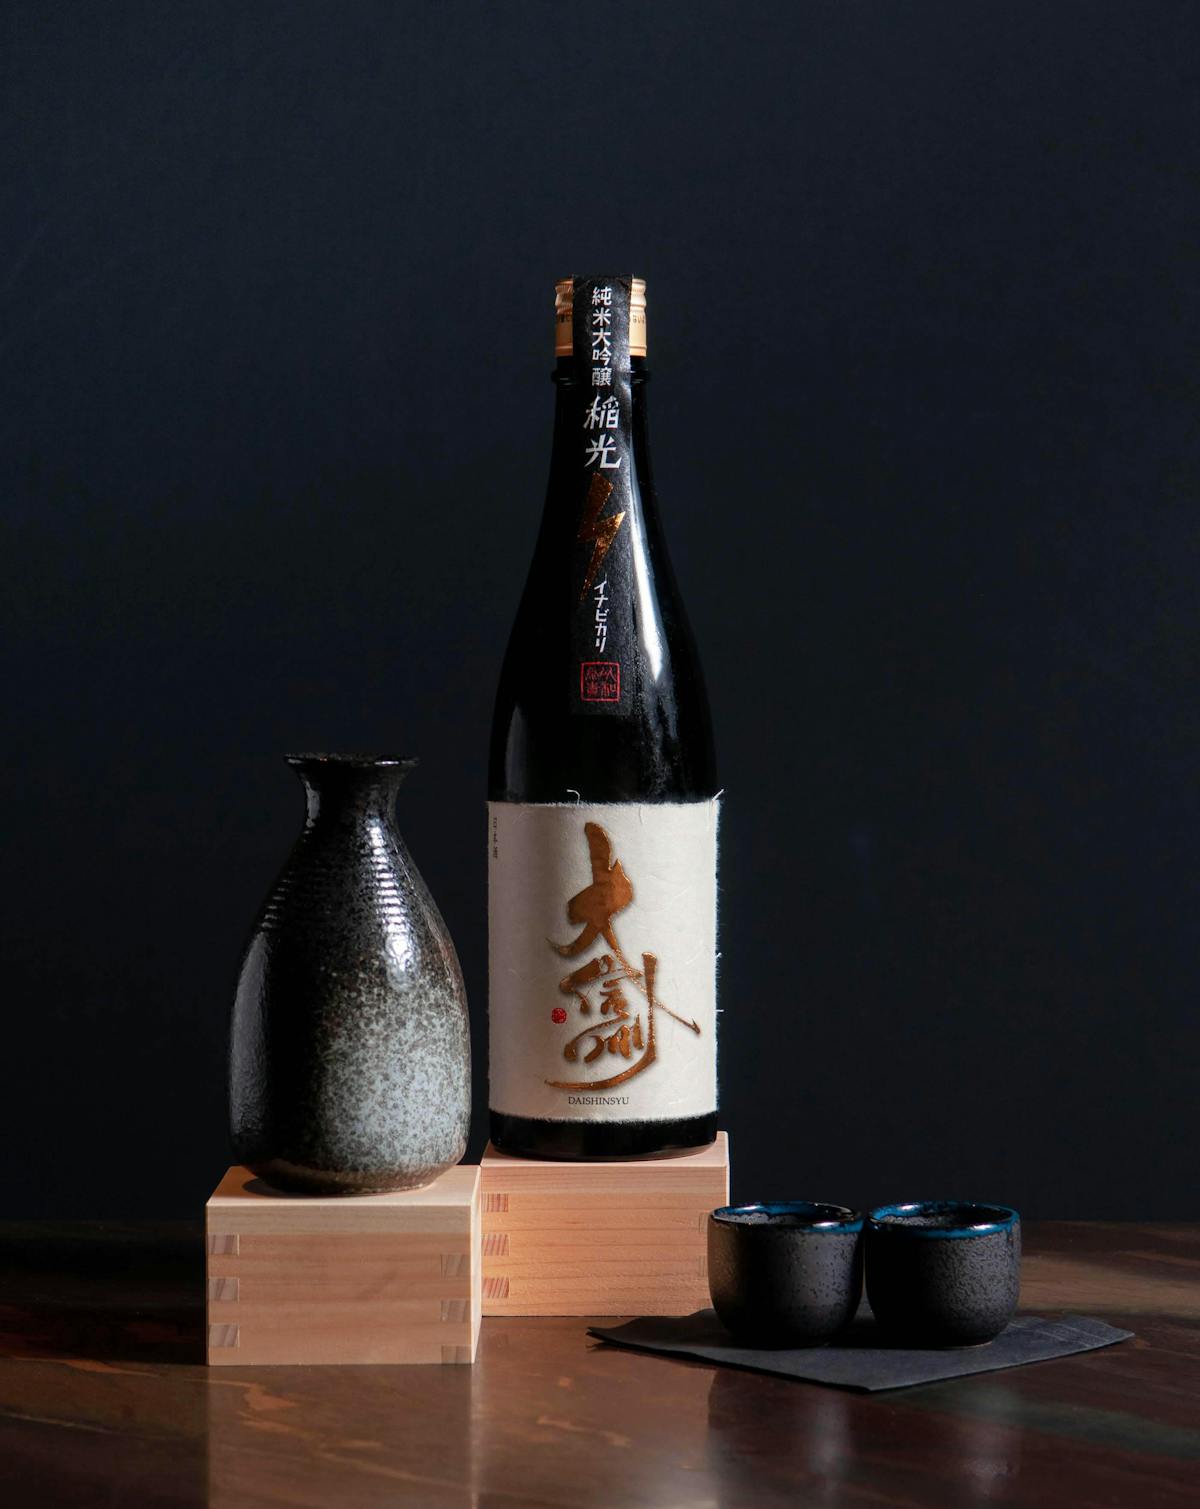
{"x": 563, "y": 305}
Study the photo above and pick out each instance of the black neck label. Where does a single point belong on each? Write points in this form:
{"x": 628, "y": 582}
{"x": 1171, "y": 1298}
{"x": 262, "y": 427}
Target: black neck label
{"x": 603, "y": 623}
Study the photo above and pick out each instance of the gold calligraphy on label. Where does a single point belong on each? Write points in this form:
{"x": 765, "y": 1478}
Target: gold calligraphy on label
{"x": 609, "y": 974}
{"x": 601, "y": 532}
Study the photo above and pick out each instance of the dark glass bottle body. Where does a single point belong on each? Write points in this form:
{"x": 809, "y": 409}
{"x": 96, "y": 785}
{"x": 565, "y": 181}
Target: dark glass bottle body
{"x": 659, "y": 750}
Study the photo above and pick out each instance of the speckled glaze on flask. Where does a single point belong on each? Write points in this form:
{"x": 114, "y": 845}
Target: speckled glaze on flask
{"x": 350, "y": 1060}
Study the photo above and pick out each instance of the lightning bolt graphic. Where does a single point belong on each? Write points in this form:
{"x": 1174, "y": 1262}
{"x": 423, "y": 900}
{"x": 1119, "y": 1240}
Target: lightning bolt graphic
{"x": 602, "y": 532}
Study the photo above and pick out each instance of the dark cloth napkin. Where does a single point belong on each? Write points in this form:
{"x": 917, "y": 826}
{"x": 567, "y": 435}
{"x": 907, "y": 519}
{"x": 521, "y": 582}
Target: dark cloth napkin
{"x": 857, "y": 1360}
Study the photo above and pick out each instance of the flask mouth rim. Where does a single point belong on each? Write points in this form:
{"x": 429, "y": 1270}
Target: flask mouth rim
{"x": 352, "y": 761}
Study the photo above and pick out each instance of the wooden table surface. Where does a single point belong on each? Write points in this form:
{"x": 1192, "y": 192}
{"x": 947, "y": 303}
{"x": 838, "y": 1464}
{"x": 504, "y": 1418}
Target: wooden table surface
{"x": 104, "y": 1400}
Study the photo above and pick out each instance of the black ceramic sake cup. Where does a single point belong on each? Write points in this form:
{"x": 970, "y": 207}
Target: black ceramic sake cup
{"x": 785, "y": 1275}
{"x": 943, "y": 1272}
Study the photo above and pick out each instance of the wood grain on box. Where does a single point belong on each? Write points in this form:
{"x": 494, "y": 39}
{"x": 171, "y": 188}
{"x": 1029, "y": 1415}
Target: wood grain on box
{"x": 367, "y": 1278}
{"x": 623, "y": 1238}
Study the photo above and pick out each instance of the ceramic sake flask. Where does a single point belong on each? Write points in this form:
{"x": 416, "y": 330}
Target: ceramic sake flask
{"x": 350, "y": 1060}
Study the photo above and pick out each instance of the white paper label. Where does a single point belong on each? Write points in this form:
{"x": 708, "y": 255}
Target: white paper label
{"x": 602, "y": 925}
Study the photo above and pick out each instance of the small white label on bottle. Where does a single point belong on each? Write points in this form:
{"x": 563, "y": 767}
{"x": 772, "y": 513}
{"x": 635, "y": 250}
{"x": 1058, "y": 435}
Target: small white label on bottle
{"x": 602, "y": 926}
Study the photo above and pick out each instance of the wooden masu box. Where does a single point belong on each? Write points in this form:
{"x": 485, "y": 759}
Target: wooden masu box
{"x": 369, "y": 1278}
{"x": 624, "y": 1238}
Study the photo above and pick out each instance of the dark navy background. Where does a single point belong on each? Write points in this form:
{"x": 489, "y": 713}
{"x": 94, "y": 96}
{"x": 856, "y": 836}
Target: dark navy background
{"x": 275, "y": 422}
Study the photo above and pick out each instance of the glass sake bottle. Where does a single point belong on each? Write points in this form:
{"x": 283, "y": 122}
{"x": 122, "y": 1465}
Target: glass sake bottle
{"x": 603, "y": 799}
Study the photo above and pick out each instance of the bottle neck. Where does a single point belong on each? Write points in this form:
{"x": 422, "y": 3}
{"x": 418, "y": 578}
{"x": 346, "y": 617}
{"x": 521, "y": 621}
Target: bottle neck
{"x": 600, "y": 537}
{"x": 600, "y": 693}
{"x": 575, "y": 440}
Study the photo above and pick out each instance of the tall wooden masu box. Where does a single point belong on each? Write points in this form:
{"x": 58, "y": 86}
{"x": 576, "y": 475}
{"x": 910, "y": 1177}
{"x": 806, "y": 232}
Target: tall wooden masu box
{"x": 365, "y": 1278}
{"x": 625, "y": 1238}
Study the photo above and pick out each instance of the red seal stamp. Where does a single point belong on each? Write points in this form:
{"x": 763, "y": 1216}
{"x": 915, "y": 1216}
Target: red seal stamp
{"x": 600, "y": 681}
{"x": 558, "y": 1015}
